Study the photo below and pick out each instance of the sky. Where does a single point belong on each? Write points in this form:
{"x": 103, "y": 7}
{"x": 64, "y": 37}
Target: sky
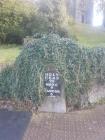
{"x": 97, "y": 17}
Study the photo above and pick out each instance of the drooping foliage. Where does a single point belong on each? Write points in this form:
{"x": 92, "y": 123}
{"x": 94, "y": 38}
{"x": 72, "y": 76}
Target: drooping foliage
{"x": 78, "y": 67}
{"x": 6, "y": 83}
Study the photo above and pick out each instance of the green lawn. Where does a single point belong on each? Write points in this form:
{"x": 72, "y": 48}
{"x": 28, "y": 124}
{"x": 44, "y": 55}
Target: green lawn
{"x": 8, "y": 53}
{"x": 87, "y": 35}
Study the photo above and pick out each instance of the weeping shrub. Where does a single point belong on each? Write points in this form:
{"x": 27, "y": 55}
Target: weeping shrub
{"x": 78, "y": 67}
{"x": 6, "y": 83}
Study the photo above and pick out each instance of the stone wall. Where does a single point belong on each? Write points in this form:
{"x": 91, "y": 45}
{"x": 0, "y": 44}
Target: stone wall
{"x": 96, "y": 93}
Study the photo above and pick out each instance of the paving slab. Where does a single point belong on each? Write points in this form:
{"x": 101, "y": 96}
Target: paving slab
{"x": 13, "y": 125}
{"x": 79, "y": 125}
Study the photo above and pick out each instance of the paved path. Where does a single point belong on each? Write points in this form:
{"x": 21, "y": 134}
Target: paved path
{"x": 13, "y": 125}
{"x": 80, "y": 125}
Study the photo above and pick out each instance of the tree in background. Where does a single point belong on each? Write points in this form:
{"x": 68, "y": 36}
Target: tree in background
{"x": 101, "y": 8}
{"x": 9, "y": 19}
{"x": 20, "y": 18}
{"x": 55, "y": 11}
{"x": 81, "y": 10}
{"x": 15, "y": 16}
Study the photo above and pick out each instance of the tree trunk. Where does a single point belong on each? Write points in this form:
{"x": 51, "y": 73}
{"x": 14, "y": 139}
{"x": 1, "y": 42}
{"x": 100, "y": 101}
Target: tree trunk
{"x": 104, "y": 18}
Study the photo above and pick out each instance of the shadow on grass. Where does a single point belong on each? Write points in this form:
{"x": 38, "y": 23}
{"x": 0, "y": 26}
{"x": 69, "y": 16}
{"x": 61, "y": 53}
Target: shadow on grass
{"x": 13, "y": 125}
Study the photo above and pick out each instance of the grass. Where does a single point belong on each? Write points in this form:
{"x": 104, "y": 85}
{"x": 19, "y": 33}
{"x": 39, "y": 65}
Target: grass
{"x": 8, "y": 53}
{"x": 87, "y": 35}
